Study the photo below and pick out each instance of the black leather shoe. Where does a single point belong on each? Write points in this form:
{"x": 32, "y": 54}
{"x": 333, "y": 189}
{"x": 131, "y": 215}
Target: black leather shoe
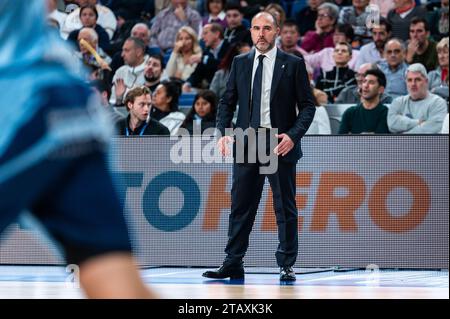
{"x": 287, "y": 274}
{"x": 225, "y": 272}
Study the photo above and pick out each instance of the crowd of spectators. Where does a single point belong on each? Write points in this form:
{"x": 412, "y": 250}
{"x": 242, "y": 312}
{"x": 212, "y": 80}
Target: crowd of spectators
{"x": 146, "y": 56}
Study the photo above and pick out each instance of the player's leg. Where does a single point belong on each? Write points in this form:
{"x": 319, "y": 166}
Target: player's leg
{"x": 82, "y": 211}
{"x": 112, "y": 275}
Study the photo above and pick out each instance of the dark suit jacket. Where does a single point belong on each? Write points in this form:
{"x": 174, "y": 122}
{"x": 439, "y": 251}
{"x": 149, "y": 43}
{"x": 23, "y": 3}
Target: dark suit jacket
{"x": 290, "y": 91}
{"x": 205, "y": 70}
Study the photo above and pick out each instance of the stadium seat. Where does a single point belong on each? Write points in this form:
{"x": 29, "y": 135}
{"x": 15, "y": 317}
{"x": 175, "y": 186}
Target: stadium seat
{"x": 186, "y": 100}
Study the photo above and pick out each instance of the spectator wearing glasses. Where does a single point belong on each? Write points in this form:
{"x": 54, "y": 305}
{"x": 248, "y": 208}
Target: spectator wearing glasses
{"x": 306, "y": 17}
{"x": 322, "y": 37}
{"x": 352, "y": 94}
{"x": 394, "y": 67}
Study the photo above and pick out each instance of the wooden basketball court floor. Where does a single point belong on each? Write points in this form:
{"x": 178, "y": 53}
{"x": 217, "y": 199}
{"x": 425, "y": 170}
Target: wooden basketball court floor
{"x": 53, "y": 282}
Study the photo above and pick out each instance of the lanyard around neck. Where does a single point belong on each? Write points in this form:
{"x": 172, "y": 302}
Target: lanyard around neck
{"x": 127, "y": 131}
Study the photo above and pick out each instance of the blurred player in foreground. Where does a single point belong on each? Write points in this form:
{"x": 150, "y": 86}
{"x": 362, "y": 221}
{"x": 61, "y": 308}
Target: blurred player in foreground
{"x": 53, "y": 155}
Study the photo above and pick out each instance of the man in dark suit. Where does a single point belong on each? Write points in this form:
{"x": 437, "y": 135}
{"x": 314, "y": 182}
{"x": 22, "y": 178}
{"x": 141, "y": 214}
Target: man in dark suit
{"x": 270, "y": 86}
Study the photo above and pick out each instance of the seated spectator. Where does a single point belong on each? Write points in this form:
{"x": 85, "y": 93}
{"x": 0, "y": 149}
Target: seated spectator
{"x": 320, "y": 96}
{"x": 321, "y": 122}
{"x": 419, "y": 112}
{"x": 324, "y": 58}
{"x": 153, "y": 71}
{"x": 55, "y": 14}
{"x": 370, "y": 116}
{"x": 202, "y": 115}
{"x": 289, "y": 38}
{"x": 421, "y": 49}
{"x": 219, "y": 81}
{"x": 356, "y": 16}
{"x": 400, "y": 17}
{"x": 106, "y": 19}
{"x": 341, "y": 76}
{"x": 394, "y": 67}
{"x": 103, "y": 91}
{"x": 216, "y": 48}
{"x": 352, "y": 94}
{"x": 165, "y": 106}
{"x": 373, "y": 52}
{"x": 185, "y": 55}
{"x": 439, "y": 21}
{"x": 167, "y": 22}
{"x": 216, "y": 13}
{"x": 437, "y": 78}
{"x": 96, "y": 69}
{"x": 236, "y": 31}
{"x": 322, "y": 36}
{"x": 140, "y": 31}
{"x": 138, "y": 123}
{"x": 131, "y": 74}
{"x": 88, "y": 18}
{"x": 306, "y": 17}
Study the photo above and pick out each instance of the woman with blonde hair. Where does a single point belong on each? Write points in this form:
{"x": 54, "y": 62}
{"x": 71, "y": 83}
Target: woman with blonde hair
{"x": 436, "y": 78}
{"x": 185, "y": 55}
{"x": 278, "y": 12}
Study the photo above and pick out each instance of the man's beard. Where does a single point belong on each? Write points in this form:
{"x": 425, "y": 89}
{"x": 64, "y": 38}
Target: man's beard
{"x": 380, "y": 44}
{"x": 152, "y": 78}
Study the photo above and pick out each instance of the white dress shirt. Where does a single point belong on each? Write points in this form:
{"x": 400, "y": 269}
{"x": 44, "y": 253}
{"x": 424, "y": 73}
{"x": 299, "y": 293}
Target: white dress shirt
{"x": 268, "y": 67}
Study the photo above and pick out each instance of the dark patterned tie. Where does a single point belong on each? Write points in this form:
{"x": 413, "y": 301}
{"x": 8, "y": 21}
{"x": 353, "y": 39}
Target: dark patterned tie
{"x": 256, "y": 95}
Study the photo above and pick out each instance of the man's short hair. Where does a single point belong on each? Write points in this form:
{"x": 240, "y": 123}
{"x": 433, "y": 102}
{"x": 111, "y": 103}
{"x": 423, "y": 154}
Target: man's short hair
{"x": 400, "y": 41}
{"x": 157, "y": 57}
{"x": 138, "y": 25}
{"x": 347, "y": 29}
{"x": 381, "y": 77}
{"x": 385, "y": 22}
{"x": 134, "y": 93}
{"x": 291, "y": 23}
{"x": 349, "y": 47}
{"x": 234, "y": 5}
{"x": 417, "y": 20}
{"x": 419, "y": 68}
{"x": 215, "y": 27}
{"x": 102, "y": 86}
{"x": 91, "y": 32}
{"x": 138, "y": 43}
